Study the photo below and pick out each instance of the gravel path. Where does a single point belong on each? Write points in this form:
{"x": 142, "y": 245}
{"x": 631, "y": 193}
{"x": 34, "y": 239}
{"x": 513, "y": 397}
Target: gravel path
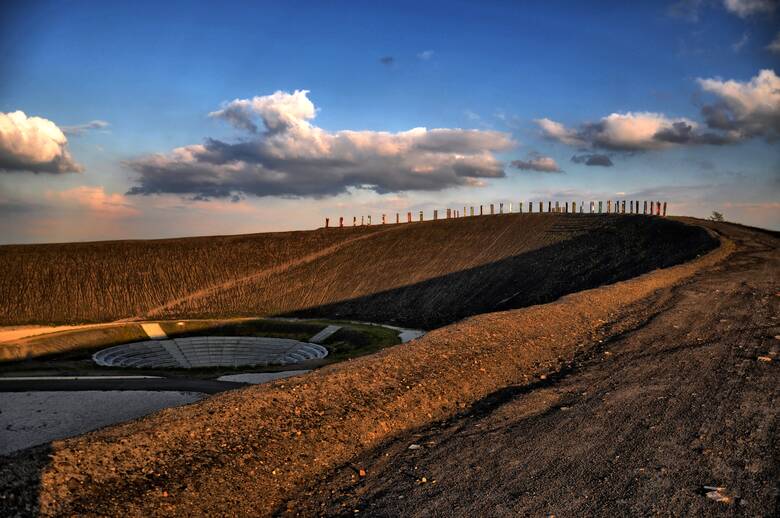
{"x": 650, "y": 422}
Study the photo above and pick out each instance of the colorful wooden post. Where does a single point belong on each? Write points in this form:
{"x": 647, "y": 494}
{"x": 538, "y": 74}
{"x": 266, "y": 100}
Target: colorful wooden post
{"x": 664, "y": 209}
{"x": 574, "y": 207}
{"x": 421, "y": 215}
{"x": 510, "y": 207}
{"x": 520, "y": 207}
{"x": 471, "y": 210}
{"x": 644, "y": 208}
{"x": 383, "y": 219}
{"x": 600, "y": 202}
{"x": 623, "y": 207}
{"x": 354, "y": 221}
{"x": 369, "y": 220}
{"x": 341, "y": 221}
{"x": 408, "y": 217}
{"x": 492, "y": 209}
{"x": 449, "y": 213}
{"x": 557, "y": 207}
{"x": 327, "y": 222}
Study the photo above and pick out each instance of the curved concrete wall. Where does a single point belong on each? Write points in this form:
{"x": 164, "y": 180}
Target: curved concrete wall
{"x": 209, "y": 351}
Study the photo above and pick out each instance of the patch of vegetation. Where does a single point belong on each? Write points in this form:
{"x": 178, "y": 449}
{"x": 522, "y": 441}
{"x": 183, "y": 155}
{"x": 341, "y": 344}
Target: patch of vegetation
{"x": 357, "y": 340}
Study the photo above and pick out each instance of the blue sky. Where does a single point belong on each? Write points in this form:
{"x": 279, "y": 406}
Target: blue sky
{"x": 154, "y": 71}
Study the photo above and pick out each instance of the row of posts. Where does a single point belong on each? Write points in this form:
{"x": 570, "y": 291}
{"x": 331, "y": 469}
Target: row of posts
{"x": 649, "y": 208}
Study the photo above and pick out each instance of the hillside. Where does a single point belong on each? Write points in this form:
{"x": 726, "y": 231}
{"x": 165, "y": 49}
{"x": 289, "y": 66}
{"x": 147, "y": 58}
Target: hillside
{"x": 421, "y": 275}
{"x": 596, "y": 395}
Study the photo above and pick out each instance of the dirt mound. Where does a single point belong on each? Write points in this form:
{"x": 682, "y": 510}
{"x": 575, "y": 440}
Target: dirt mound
{"x": 420, "y": 275}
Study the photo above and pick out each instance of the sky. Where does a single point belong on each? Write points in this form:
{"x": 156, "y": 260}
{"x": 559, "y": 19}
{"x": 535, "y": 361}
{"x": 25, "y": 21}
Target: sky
{"x": 162, "y": 119}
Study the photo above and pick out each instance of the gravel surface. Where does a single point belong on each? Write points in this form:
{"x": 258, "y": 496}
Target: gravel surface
{"x": 677, "y": 417}
{"x": 31, "y": 418}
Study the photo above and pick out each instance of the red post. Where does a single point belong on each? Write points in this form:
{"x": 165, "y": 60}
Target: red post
{"x": 408, "y": 217}
{"x": 341, "y": 222}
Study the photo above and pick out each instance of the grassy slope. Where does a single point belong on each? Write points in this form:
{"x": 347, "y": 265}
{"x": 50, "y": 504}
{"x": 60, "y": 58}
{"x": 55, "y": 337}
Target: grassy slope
{"x": 389, "y": 274}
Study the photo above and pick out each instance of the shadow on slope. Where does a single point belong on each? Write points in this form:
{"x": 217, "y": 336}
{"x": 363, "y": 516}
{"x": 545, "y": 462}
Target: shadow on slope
{"x": 611, "y": 254}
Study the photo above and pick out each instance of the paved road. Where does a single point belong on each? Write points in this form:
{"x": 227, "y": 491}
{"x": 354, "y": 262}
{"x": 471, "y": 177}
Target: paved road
{"x": 639, "y": 426}
{"x": 156, "y": 384}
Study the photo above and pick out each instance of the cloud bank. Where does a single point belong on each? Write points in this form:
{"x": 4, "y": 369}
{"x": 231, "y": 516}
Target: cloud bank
{"x": 33, "y": 144}
{"x": 743, "y": 110}
{"x": 284, "y": 154}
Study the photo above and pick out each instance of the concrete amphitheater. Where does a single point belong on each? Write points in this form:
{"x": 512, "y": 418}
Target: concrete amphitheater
{"x": 209, "y": 351}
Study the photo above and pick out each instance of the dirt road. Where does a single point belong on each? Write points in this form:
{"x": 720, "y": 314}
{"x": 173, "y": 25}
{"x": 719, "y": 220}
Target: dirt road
{"x": 637, "y": 426}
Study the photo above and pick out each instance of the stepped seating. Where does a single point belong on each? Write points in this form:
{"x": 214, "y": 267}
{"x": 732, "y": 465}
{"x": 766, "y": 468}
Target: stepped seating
{"x": 209, "y": 351}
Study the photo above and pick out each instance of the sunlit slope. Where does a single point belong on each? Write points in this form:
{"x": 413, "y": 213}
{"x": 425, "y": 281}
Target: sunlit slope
{"x": 86, "y": 282}
{"x": 421, "y": 274}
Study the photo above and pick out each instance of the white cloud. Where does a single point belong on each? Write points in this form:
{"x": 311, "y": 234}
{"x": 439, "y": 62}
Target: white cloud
{"x": 745, "y": 8}
{"x": 640, "y": 131}
{"x": 278, "y": 111}
{"x": 746, "y": 109}
{"x": 33, "y": 144}
{"x": 293, "y": 157}
{"x": 774, "y": 46}
{"x": 425, "y": 55}
{"x": 557, "y": 131}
